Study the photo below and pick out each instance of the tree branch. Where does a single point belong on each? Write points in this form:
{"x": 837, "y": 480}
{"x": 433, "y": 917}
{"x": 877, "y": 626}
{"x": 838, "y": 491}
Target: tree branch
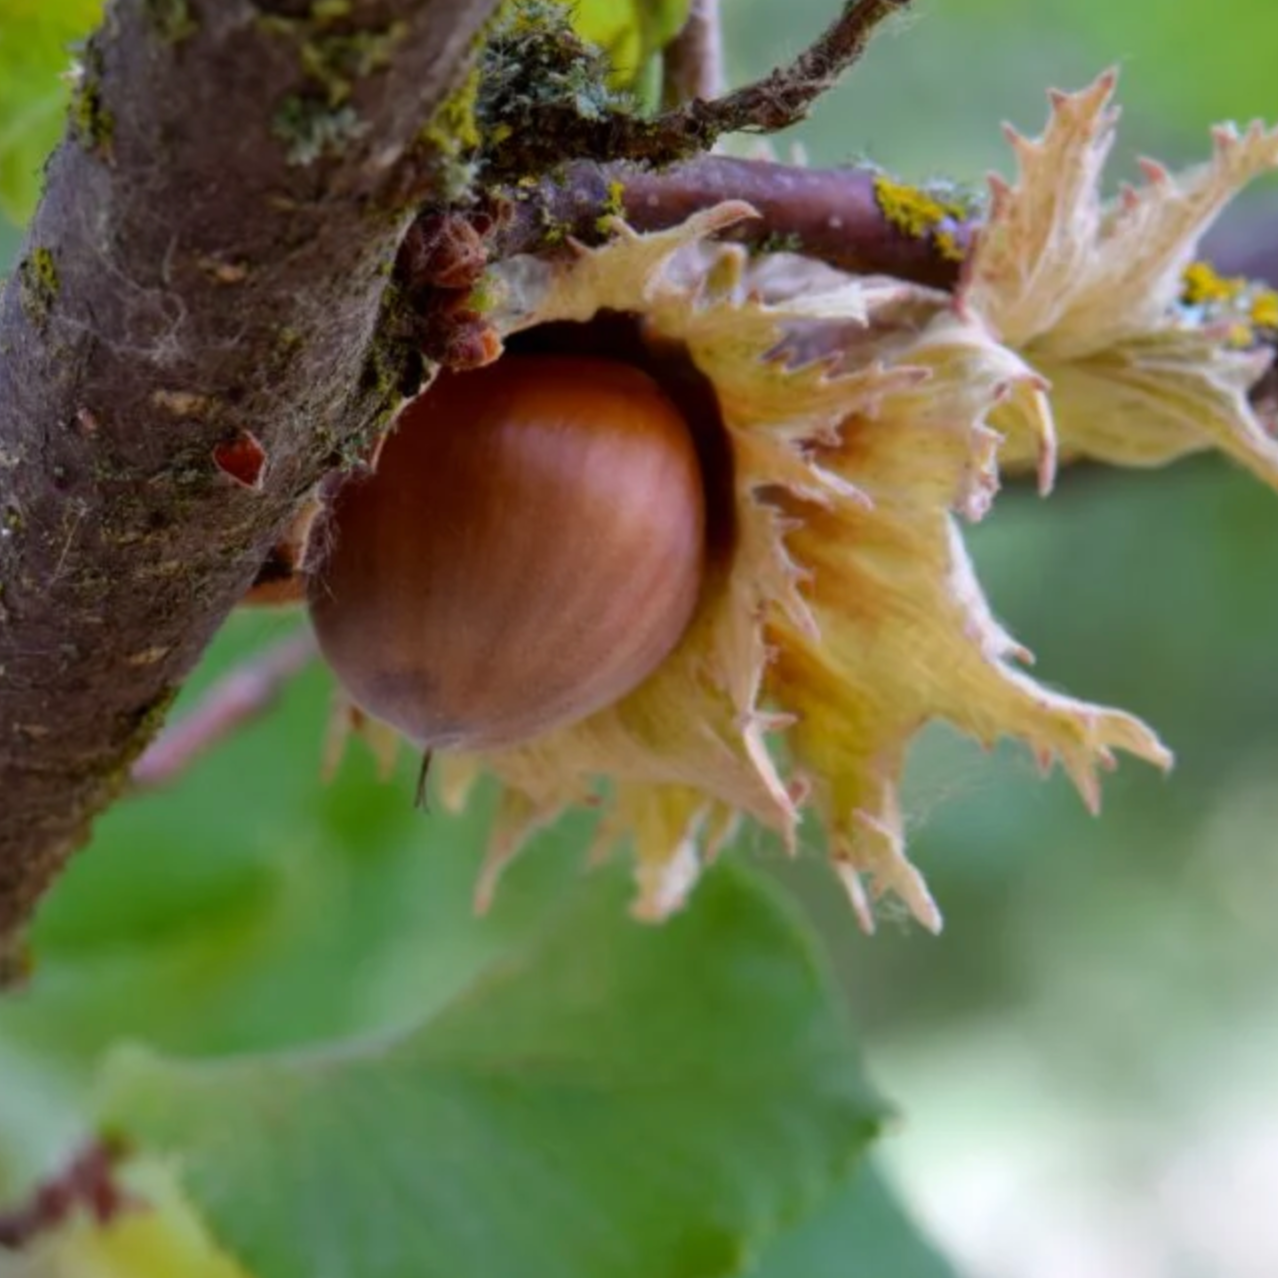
{"x": 834, "y": 215}
{"x": 692, "y": 63}
{"x": 541, "y": 129}
{"x": 208, "y": 264}
{"x": 244, "y": 693}
{"x": 784, "y": 97}
{"x": 842, "y": 217}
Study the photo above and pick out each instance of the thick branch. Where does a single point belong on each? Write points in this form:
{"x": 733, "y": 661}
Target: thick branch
{"x": 207, "y": 266}
{"x": 837, "y": 216}
{"x": 830, "y": 214}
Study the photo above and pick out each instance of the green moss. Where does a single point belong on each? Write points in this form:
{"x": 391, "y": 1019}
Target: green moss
{"x": 482, "y": 297}
{"x": 335, "y": 60}
{"x": 145, "y": 726}
{"x": 613, "y": 207}
{"x": 780, "y": 242}
{"x": 311, "y": 129}
{"x": 339, "y": 60}
{"x": 321, "y": 120}
{"x": 392, "y": 371}
{"x": 543, "y": 89}
{"x": 172, "y": 19}
{"x": 454, "y": 128}
{"x": 38, "y": 285}
{"x": 151, "y": 720}
{"x": 91, "y": 124}
{"x": 451, "y": 138}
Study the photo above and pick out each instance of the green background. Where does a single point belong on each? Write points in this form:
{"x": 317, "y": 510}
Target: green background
{"x": 1087, "y": 1059}
{"x": 1084, "y": 1061}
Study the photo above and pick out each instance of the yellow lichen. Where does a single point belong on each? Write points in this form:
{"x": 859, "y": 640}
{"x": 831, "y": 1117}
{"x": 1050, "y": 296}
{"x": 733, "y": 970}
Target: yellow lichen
{"x": 38, "y": 285}
{"x": 1204, "y": 286}
{"x": 90, "y": 122}
{"x": 612, "y": 206}
{"x": 917, "y": 213}
{"x": 947, "y": 244}
{"x": 1107, "y": 300}
{"x": 1264, "y": 309}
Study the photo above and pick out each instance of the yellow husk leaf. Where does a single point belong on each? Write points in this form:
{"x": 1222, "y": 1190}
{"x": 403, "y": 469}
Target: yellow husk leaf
{"x": 1088, "y": 293}
{"x": 849, "y": 615}
{"x": 163, "y": 1239}
{"x": 865, "y": 418}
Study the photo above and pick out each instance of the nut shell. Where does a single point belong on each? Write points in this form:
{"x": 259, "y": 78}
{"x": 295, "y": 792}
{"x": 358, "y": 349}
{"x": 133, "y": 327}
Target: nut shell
{"x": 528, "y": 550}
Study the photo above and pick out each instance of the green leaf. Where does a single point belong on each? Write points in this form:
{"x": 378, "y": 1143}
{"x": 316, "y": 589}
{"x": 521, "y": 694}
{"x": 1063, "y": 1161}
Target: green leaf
{"x": 859, "y": 1232}
{"x": 254, "y": 907}
{"x": 35, "y": 55}
{"x": 289, "y": 911}
{"x": 631, "y": 31}
{"x": 604, "y": 1100}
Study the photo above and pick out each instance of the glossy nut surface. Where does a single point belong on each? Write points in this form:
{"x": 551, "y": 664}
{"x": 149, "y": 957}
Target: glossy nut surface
{"x": 529, "y": 549}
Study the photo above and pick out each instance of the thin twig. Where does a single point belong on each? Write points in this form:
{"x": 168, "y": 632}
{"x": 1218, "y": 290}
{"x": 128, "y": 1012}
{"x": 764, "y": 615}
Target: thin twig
{"x": 88, "y": 1181}
{"x": 247, "y": 692}
{"x": 537, "y": 142}
{"x": 783, "y": 97}
{"x": 692, "y": 63}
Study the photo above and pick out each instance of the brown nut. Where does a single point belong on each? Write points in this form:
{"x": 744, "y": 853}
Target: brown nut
{"x": 529, "y": 549}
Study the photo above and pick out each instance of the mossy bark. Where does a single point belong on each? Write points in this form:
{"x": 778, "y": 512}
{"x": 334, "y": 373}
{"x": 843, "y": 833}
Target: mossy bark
{"x": 198, "y": 271}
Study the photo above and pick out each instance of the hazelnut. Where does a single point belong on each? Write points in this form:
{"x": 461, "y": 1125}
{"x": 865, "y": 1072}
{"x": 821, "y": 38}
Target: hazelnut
{"x": 529, "y": 549}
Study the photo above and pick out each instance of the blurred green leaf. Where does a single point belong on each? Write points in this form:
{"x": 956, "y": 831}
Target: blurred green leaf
{"x": 35, "y": 40}
{"x": 289, "y": 911}
{"x": 252, "y": 907}
{"x": 860, "y": 1232}
{"x": 9, "y": 240}
{"x": 631, "y": 31}
{"x": 604, "y": 1099}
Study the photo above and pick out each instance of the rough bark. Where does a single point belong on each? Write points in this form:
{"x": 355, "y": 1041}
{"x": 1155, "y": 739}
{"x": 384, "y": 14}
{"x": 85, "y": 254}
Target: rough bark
{"x": 203, "y": 276}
